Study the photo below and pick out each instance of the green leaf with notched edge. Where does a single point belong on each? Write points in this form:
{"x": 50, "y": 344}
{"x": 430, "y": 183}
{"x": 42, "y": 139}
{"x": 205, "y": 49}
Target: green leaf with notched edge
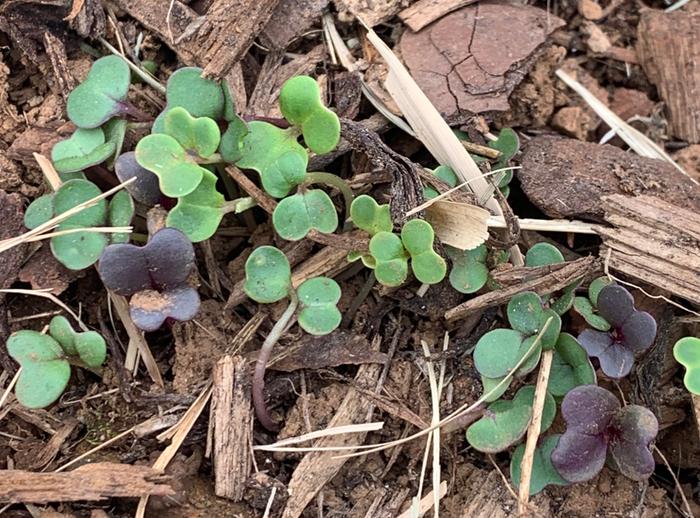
{"x": 686, "y": 351}
{"x": 199, "y": 213}
{"x": 276, "y": 155}
{"x": 300, "y": 103}
{"x": 39, "y": 211}
{"x": 318, "y": 298}
{"x": 505, "y": 422}
{"x": 497, "y": 352}
{"x": 91, "y": 348}
{"x": 543, "y": 254}
{"x": 164, "y": 156}
{"x": 74, "y": 192}
{"x": 268, "y": 276}
{"x": 369, "y": 216}
{"x": 444, "y": 173}
{"x": 45, "y": 373}
{"x": 508, "y": 144}
{"x": 121, "y": 211}
{"x": 543, "y": 472}
{"x": 583, "y": 307}
{"x": 295, "y": 216}
{"x": 571, "y": 367}
{"x": 61, "y": 331}
{"x": 525, "y": 312}
{"x": 391, "y": 268}
{"x": 198, "y": 135}
{"x": 85, "y": 148}
{"x": 417, "y": 237}
{"x": 200, "y": 97}
{"x": 469, "y": 272}
{"x": 100, "y": 96}
{"x": 231, "y": 147}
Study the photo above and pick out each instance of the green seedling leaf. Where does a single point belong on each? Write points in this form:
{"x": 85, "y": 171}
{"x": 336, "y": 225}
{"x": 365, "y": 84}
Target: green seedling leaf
{"x": 570, "y": 366}
{"x": 525, "y": 312}
{"x": 89, "y": 345}
{"x": 508, "y": 144}
{"x": 391, "y": 262}
{"x": 61, "y": 331}
{"x": 447, "y": 175}
{"x": 543, "y": 472}
{"x": 121, "y": 211}
{"x": 369, "y": 216}
{"x": 550, "y": 336}
{"x": 85, "y": 148}
{"x": 268, "y": 276}
{"x": 497, "y": 352}
{"x": 100, "y": 96}
{"x": 301, "y": 105}
{"x": 295, "y": 216}
{"x": 564, "y": 303}
{"x": 39, "y": 211}
{"x": 198, "y": 135}
{"x": 79, "y": 250}
{"x": 200, "y": 97}
{"x": 115, "y": 132}
{"x": 543, "y": 254}
{"x": 532, "y": 360}
{"x": 45, "y": 373}
{"x": 583, "y": 307}
{"x": 469, "y": 272}
{"x": 276, "y": 155}
{"x": 686, "y": 351}
{"x": 149, "y": 66}
{"x": 199, "y": 213}
{"x": 595, "y": 287}
{"x": 505, "y": 422}
{"x": 490, "y": 383}
{"x": 417, "y": 237}
{"x": 164, "y": 156}
{"x": 318, "y": 298}
{"x": 231, "y": 147}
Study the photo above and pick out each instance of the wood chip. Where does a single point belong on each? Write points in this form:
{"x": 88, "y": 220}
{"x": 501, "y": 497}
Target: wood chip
{"x": 291, "y": 19}
{"x": 555, "y": 280}
{"x": 425, "y": 12}
{"x": 52, "y": 447}
{"x": 661, "y": 35}
{"x": 232, "y": 415}
{"x": 655, "y": 242}
{"x": 89, "y": 482}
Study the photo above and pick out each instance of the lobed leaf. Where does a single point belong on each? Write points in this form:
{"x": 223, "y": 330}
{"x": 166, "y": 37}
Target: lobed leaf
{"x": 583, "y": 307}
{"x": 45, "y": 373}
{"x": 198, "y": 213}
{"x": 686, "y": 351}
{"x": 570, "y": 367}
{"x": 276, "y": 155}
{"x": 543, "y": 472}
{"x": 84, "y": 148}
{"x": 446, "y": 174}
{"x": 99, "y": 97}
{"x": 318, "y": 298}
{"x": 150, "y": 308}
{"x": 164, "y": 156}
{"x": 295, "y": 216}
{"x": 634, "y": 428}
{"x": 268, "y": 276}
{"x": 469, "y": 272}
{"x": 615, "y": 304}
{"x": 91, "y": 348}
{"x": 61, "y": 331}
{"x": 201, "y": 97}
{"x": 369, "y": 216}
{"x": 198, "y": 135}
{"x": 525, "y": 312}
{"x": 121, "y": 211}
{"x": 391, "y": 264}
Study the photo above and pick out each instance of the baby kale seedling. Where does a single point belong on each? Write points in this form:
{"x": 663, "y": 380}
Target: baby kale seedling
{"x": 686, "y": 351}
{"x": 155, "y": 276}
{"x": 469, "y": 271}
{"x": 632, "y": 332}
{"x": 505, "y": 422}
{"x": 45, "y": 360}
{"x": 175, "y": 155}
{"x": 102, "y": 95}
{"x": 85, "y": 148}
{"x": 145, "y": 188}
{"x": 369, "y": 216}
{"x": 595, "y": 426}
{"x": 82, "y": 248}
{"x": 543, "y": 472}
{"x": 570, "y": 367}
{"x": 417, "y": 237}
{"x": 444, "y": 173}
{"x": 268, "y": 280}
{"x": 295, "y": 216}
{"x": 587, "y": 307}
{"x": 508, "y": 144}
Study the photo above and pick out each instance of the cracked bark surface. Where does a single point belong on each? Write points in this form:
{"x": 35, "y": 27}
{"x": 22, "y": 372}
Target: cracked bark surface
{"x": 471, "y": 60}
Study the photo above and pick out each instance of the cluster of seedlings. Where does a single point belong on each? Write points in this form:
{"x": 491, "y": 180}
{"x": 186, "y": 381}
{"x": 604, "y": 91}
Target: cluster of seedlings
{"x": 179, "y": 166}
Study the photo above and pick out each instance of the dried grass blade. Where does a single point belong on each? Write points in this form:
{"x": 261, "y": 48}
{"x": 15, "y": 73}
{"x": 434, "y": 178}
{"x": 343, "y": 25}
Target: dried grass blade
{"x": 635, "y": 139}
{"x": 337, "y": 430}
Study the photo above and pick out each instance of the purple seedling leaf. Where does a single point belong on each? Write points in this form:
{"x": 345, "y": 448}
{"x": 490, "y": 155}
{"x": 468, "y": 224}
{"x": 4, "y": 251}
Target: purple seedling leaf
{"x": 145, "y": 188}
{"x": 163, "y": 263}
{"x": 595, "y": 423}
{"x": 632, "y": 332}
{"x": 633, "y": 430}
{"x": 615, "y": 304}
{"x": 150, "y": 308}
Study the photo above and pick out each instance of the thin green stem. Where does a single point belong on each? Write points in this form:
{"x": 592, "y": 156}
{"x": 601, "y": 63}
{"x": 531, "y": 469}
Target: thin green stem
{"x": 333, "y": 181}
{"x": 147, "y": 78}
{"x": 238, "y": 205}
{"x": 261, "y": 363}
